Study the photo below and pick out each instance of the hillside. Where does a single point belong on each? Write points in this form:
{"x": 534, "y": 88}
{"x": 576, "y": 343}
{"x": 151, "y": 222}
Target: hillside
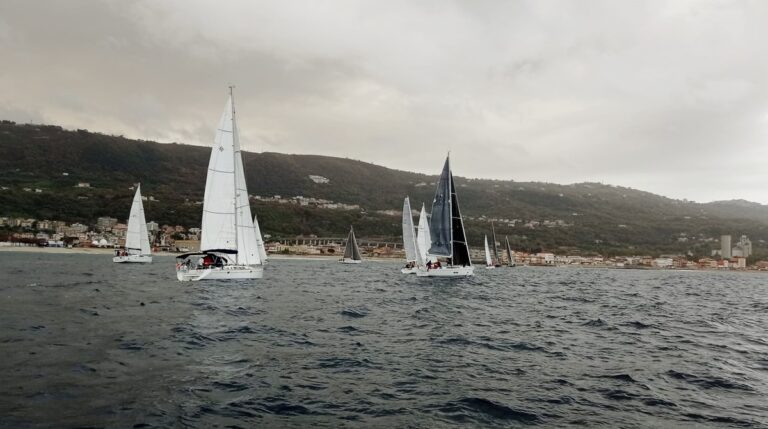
{"x": 594, "y": 217}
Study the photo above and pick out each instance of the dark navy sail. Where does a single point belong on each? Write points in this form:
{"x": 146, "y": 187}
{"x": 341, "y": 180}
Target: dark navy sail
{"x": 460, "y": 247}
{"x": 440, "y": 227}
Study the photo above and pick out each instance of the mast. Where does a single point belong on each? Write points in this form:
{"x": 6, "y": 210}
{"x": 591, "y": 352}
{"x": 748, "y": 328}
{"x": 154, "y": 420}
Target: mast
{"x": 235, "y": 150}
{"x": 450, "y": 200}
{"x": 497, "y": 260}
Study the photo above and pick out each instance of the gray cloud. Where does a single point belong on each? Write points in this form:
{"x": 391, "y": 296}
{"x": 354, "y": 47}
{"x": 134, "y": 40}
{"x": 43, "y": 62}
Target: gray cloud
{"x": 665, "y": 96}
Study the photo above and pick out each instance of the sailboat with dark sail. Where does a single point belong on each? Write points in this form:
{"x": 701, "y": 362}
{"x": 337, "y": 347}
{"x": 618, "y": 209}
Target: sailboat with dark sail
{"x": 351, "y": 251}
{"x": 446, "y": 229}
{"x": 496, "y": 258}
{"x": 510, "y": 253}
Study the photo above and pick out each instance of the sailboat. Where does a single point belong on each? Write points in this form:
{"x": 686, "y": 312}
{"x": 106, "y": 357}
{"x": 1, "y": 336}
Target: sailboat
{"x": 259, "y": 241}
{"x": 136, "y": 238}
{"x": 423, "y": 239}
{"x": 446, "y": 231}
{"x": 409, "y": 240}
{"x": 510, "y": 253}
{"x": 228, "y": 240}
{"x": 488, "y": 262}
{"x": 351, "y": 251}
{"x": 496, "y": 258}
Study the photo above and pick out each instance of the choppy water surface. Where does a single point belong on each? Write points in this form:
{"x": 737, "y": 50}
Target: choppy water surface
{"x": 85, "y": 342}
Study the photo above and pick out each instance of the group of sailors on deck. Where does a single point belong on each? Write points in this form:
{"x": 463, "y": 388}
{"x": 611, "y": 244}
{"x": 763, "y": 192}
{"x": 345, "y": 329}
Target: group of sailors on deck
{"x": 430, "y": 265}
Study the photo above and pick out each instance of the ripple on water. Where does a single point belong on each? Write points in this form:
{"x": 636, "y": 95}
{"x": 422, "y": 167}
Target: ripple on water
{"x": 481, "y": 410}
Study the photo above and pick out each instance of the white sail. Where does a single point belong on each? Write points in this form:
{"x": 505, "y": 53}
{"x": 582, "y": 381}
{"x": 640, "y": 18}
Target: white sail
{"x": 227, "y": 222}
{"x": 409, "y": 239}
{"x": 487, "y": 253}
{"x": 259, "y": 241}
{"x": 218, "y": 226}
{"x": 423, "y": 239}
{"x": 247, "y": 243}
{"x": 136, "y": 238}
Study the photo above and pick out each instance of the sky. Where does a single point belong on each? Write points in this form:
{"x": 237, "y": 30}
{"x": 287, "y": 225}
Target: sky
{"x": 669, "y": 97}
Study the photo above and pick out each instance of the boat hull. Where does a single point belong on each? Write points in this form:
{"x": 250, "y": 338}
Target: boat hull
{"x": 140, "y": 259}
{"x": 489, "y": 267}
{"x": 350, "y": 261}
{"x": 228, "y": 272}
{"x": 447, "y": 272}
{"x": 413, "y": 270}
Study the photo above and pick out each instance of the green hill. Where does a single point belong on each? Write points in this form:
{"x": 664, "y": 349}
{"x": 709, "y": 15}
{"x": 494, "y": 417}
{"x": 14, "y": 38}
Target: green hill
{"x": 592, "y": 217}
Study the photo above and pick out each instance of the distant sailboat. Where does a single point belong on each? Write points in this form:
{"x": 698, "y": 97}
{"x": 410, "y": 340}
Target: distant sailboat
{"x": 409, "y": 240}
{"x": 447, "y": 231}
{"x": 510, "y": 253}
{"x": 496, "y": 258}
{"x": 259, "y": 241}
{"x": 136, "y": 238}
{"x": 228, "y": 242}
{"x": 351, "y": 251}
{"x": 488, "y": 262}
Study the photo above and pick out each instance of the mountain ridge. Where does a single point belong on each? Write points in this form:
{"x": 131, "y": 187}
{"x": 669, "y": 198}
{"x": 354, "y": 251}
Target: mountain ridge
{"x": 592, "y": 216}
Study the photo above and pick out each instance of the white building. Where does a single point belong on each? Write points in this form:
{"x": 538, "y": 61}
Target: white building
{"x": 725, "y": 246}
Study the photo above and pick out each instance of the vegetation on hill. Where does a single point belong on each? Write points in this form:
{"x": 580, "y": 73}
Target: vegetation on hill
{"x": 594, "y": 217}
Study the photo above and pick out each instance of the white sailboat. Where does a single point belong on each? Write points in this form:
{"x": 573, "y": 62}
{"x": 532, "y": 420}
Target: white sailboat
{"x": 488, "y": 262}
{"x": 409, "y": 240}
{"x": 351, "y": 251}
{"x": 446, "y": 230}
{"x": 259, "y": 241}
{"x": 228, "y": 242}
{"x": 136, "y": 238}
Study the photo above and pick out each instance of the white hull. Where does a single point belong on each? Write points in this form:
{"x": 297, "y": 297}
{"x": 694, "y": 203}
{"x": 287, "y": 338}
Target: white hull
{"x": 228, "y": 272}
{"x": 350, "y": 261}
{"x": 447, "y": 272}
{"x": 413, "y": 270}
{"x": 143, "y": 259}
{"x": 489, "y": 267}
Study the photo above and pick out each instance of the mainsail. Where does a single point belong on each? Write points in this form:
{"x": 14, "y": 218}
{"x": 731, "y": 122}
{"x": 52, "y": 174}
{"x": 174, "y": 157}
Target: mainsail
{"x": 136, "y": 238}
{"x": 409, "y": 239}
{"x": 440, "y": 226}
{"x": 351, "y": 251}
{"x": 460, "y": 247}
{"x": 227, "y": 222}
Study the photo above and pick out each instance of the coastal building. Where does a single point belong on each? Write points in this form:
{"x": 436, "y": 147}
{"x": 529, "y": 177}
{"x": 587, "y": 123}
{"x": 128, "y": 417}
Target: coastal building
{"x": 743, "y": 248}
{"x": 105, "y": 223}
{"x": 725, "y": 246}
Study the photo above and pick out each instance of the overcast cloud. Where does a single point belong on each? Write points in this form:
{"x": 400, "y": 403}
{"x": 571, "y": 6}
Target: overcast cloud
{"x": 664, "y": 96}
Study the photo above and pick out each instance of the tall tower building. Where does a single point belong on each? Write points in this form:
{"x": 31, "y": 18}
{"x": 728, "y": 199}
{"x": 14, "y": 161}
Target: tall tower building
{"x": 725, "y": 246}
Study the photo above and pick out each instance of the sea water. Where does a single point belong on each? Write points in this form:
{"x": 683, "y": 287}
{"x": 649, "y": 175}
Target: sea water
{"x": 85, "y": 342}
